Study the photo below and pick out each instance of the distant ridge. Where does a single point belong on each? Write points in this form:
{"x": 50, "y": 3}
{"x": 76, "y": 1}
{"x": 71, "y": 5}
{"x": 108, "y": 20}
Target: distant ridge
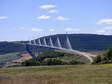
{"x": 82, "y": 42}
{"x": 86, "y": 42}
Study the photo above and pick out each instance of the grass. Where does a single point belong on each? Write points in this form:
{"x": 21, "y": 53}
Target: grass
{"x": 78, "y": 74}
{"x": 8, "y": 57}
{"x": 71, "y": 56}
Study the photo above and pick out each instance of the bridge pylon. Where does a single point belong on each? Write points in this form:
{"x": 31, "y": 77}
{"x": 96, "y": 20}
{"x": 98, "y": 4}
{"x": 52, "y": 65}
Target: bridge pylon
{"x": 44, "y": 40}
{"x": 59, "y": 43}
{"x": 51, "y": 42}
{"x": 39, "y": 42}
{"x": 34, "y": 42}
{"x": 29, "y": 42}
{"x": 69, "y": 46}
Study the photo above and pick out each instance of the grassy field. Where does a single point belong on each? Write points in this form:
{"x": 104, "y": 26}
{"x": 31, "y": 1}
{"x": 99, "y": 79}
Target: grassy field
{"x": 77, "y": 74}
{"x": 8, "y": 57}
{"x": 72, "y": 56}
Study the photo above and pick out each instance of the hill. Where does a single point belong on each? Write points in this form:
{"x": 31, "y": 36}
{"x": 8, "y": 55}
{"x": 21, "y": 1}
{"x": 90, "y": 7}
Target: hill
{"x": 82, "y": 42}
{"x": 57, "y": 57}
{"x": 8, "y": 57}
{"x": 11, "y": 47}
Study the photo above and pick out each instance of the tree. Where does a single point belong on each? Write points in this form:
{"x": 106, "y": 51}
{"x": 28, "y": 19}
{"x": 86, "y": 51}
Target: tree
{"x": 97, "y": 60}
{"x": 53, "y": 61}
{"x": 104, "y": 59}
{"x": 31, "y": 62}
{"x": 74, "y": 62}
{"x": 108, "y": 56}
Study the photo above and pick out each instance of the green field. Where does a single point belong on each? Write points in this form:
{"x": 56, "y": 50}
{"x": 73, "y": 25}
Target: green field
{"x": 70, "y": 56}
{"x": 77, "y": 74}
{"x": 8, "y": 57}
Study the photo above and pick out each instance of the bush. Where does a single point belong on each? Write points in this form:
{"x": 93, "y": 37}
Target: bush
{"x": 108, "y": 56}
{"x": 104, "y": 59}
{"x": 53, "y": 61}
{"x": 97, "y": 60}
{"x": 74, "y": 62}
{"x": 52, "y": 58}
{"x": 31, "y": 62}
{"x": 49, "y": 54}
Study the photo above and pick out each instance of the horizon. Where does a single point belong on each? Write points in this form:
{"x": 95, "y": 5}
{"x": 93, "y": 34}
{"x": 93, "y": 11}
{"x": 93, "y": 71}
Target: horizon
{"x": 54, "y": 35}
{"x": 24, "y": 19}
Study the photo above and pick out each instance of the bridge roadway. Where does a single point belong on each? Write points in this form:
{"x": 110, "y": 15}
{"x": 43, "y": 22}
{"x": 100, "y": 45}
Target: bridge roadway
{"x": 85, "y": 54}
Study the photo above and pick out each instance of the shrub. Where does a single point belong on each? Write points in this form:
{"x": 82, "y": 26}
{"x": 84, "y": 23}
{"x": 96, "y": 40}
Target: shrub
{"x": 49, "y": 54}
{"x": 97, "y": 60}
{"x": 74, "y": 62}
{"x": 53, "y": 61}
{"x": 104, "y": 59}
{"x": 108, "y": 56}
{"x": 31, "y": 62}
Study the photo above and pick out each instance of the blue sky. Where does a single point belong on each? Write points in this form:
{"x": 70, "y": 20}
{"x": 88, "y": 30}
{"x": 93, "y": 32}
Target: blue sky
{"x": 27, "y": 19}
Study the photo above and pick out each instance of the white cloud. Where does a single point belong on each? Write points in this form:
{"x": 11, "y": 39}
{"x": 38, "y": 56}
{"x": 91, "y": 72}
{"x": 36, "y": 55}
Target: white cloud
{"x": 101, "y": 31}
{"x": 105, "y": 30}
{"x": 68, "y": 29}
{"x": 76, "y": 29}
{"x": 108, "y": 28}
{"x": 36, "y": 30}
{"x": 49, "y": 6}
{"x": 53, "y": 11}
{"x": 62, "y": 18}
{"x": 51, "y": 30}
{"x": 105, "y": 21}
{"x": 22, "y": 28}
{"x": 72, "y": 29}
{"x": 3, "y": 17}
{"x": 44, "y": 17}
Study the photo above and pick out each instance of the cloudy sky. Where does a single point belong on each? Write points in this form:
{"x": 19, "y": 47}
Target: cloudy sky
{"x": 27, "y": 19}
